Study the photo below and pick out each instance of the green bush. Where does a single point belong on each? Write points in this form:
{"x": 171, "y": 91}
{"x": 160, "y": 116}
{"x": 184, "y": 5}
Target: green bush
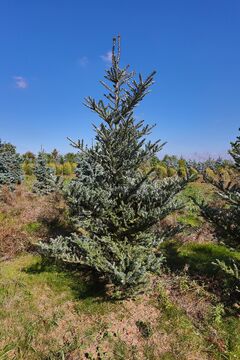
{"x": 171, "y": 172}
{"x": 73, "y": 166}
{"x": 181, "y": 163}
{"x": 67, "y": 169}
{"x": 193, "y": 171}
{"x": 210, "y": 173}
{"x": 182, "y": 172}
{"x": 28, "y": 168}
{"x": 161, "y": 171}
{"x": 59, "y": 169}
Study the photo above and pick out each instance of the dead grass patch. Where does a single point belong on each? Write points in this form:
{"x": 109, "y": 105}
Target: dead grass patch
{"x": 25, "y": 218}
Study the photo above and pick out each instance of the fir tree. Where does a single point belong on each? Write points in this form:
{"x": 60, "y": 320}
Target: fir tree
{"x": 235, "y": 153}
{"x": 28, "y": 157}
{"x": 46, "y": 181}
{"x": 70, "y": 157}
{"x": 226, "y": 219}
{"x": 7, "y": 147}
{"x": 113, "y": 203}
{"x": 10, "y": 166}
{"x": 67, "y": 169}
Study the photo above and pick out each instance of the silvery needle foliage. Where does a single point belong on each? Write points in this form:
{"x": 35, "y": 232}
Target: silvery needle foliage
{"x": 113, "y": 204}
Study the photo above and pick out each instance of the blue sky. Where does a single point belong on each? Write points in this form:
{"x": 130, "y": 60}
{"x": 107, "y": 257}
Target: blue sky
{"x": 54, "y": 52}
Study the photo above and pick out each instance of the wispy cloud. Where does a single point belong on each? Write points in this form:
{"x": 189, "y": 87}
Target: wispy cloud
{"x": 20, "y": 82}
{"x": 107, "y": 57}
{"x": 83, "y": 61}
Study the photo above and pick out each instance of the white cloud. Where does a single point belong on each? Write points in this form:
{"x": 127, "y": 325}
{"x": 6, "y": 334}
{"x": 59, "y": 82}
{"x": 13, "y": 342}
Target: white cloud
{"x": 83, "y": 61}
{"x": 107, "y": 57}
{"x": 20, "y": 82}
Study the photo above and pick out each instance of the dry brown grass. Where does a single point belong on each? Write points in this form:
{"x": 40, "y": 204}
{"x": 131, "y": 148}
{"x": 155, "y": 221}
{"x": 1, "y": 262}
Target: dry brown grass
{"x": 25, "y": 218}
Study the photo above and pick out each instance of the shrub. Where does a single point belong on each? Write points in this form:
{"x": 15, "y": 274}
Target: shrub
{"x": 73, "y": 167}
{"x": 27, "y": 168}
{"x": 182, "y": 172}
{"x": 172, "y": 171}
{"x": 67, "y": 169}
{"x": 161, "y": 171}
{"x": 210, "y": 173}
{"x": 59, "y": 169}
{"x": 193, "y": 171}
{"x": 181, "y": 163}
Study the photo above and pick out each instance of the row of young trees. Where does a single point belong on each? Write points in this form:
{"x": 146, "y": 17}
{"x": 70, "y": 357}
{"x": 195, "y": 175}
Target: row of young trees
{"x": 114, "y": 201}
{"x": 172, "y": 165}
{"x": 11, "y": 171}
{"x": 65, "y": 169}
{"x": 169, "y": 166}
{"x": 53, "y": 157}
{"x": 14, "y": 166}
{"x": 59, "y": 163}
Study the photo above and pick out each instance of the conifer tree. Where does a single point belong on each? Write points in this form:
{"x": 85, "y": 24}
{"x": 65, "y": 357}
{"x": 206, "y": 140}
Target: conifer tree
{"x": 67, "y": 169}
{"x": 10, "y": 166}
{"x": 226, "y": 219}
{"x": 27, "y": 168}
{"x": 235, "y": 153}
{"x": 46, "y": 181}
{"x": 113, "y": 204}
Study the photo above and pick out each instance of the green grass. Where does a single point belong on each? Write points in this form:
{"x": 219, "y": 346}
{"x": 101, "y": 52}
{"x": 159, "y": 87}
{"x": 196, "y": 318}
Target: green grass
{"x": 190, "y": 214}
{"x": 49, "y": 313}
{"x": 198, "y": 190}
{"x": 190, "y": 219}
{"x": 198, "y": 257}
{"x": 33, "y": 298}
{"x": 32, "y": 227}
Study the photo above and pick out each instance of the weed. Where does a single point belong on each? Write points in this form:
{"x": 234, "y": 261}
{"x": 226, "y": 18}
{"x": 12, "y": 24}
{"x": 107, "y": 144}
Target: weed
{"x": 163, "y": 299}
{"x": 144, "y": 328}
{"x": 190, "y": 219}
{"x": 32, "y": 227}
{"x": 217, "y": 313}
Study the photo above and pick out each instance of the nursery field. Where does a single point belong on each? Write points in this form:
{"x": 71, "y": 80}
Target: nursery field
{"x": 113, "y": 253}
{"x": 49, "y": 310}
